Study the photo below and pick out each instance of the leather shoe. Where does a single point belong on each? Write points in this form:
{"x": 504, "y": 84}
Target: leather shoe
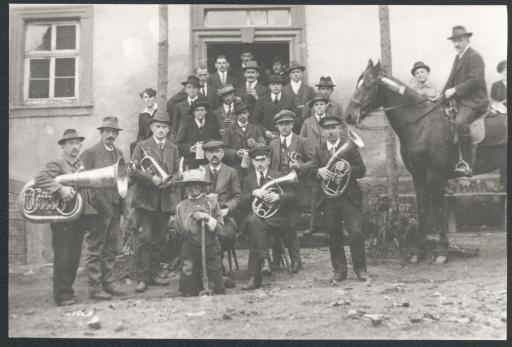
{"x": 362, "y": 275}
{"x": 66, "y": 301}
{"x": 338, "y": 277}
{"x": 266, "y": 270}
{"x": 251, "y": 284}
{"x": 159, "y": 281}
{"x": 99, "y": 295}
{"x": 114, "y": 290}
{"x": 141, "y": 287}
{"x": 296, "y": 268}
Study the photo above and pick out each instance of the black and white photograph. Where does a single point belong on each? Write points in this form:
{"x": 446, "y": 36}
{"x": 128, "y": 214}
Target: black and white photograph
{"x": 257, "y": 171}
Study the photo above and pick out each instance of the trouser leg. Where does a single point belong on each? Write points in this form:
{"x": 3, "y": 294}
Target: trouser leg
{"x": 190, "y": 264}
{"x": 352, "y": 217}
{"x": 95, "y": 240}
{"x": 214, "y": 267}
{"x": 258, "y": 244}
{"x": 465, "y": 117}
{"x": 158, "y": 241}
{"x": 334, "y": 227}
{"x": 292, "y": 242}
{"x": 146, "y": 222}
{"x": 111, "y": 246}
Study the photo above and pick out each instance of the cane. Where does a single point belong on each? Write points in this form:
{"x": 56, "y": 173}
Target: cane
{"x": 206, "y": 291}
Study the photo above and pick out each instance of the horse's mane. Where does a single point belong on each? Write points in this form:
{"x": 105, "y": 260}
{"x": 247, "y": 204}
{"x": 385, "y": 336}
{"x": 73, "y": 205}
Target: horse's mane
{"x": 408, "y": 90}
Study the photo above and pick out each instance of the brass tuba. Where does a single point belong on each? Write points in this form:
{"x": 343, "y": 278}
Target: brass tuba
{"x": 335, "y": 186}
{"x": 40, "y": 206}
{"x": 151, "y": 167}
{"x": 267, "y": 210}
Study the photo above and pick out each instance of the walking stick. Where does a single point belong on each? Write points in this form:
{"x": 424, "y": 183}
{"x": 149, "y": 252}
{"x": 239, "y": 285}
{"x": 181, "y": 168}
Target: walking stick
{"x": 206, "y": 291}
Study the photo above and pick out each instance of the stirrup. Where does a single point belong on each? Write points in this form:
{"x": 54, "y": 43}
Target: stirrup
{"x": 463, "y": 168}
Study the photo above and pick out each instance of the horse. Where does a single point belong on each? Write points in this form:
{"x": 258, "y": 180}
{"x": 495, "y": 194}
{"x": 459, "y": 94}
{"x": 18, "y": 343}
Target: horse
{"x": 426, "y": 147}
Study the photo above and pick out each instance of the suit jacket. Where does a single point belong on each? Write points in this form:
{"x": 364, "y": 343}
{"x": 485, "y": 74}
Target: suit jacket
{"x": 211, "y": 99}
{"x": 312, "y": 131}
{"x": 248, "y": 99}
{"x": 189, "y": 133}
{"x": 215, "y": 83}
{"x": 96, "y": 157}
{"x": 227, "y": 187}
{"x": 287, "y": 199}
{"x": 146, "y": 195}
{"x": 300, "y": 145}
{"x": 45, "y": 180}
{"x": 219, "y": 114}
{"x": 265, "y": 110}
{"x": 181, "y": 112}
{"x": 468, "y": 78}
{"x": 499, "y": 92}
{"x": 234, "y": 139}
{"x": 358, "y": 170}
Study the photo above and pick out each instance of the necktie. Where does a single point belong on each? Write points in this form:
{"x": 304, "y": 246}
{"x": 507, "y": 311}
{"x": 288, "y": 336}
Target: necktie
{"x": 275, "y": 100}
{"x": 332, "y": 150}
{"x": 161, "y": 145}
{"x": 214, "y": 172}
{"x": 262, "y": 178}
{"x": 283, "y": 145}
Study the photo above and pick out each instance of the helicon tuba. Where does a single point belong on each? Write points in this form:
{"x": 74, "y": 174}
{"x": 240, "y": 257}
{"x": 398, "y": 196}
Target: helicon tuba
{"x": 335, "y": 186}
{"x": 40, "y": 206}
{"x": 151, "y": 167}
{"x": 267, "y": 210}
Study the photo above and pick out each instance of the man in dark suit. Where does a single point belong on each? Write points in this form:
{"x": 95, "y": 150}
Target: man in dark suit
{"x": 259, "y": 229}
{"x": 182, "y": 109}
{"x": 466, "y": 85}
{"x": 194, "y": 131}
{"x": 251, "y": 89}
{"x": 223, "y": 115}
{"x": 299, "y": 91}
{"x": 269, "y": 105}
{"x": 246, "y": 55}
{"x": 153, "y": 200}
{"x": 239, "y": 139}
{"x": 67, "y": 237}
{"x": 286, "y": 143}
{"x": 102, "y": 241}
{"x": 225, "y": 189}
{"x": 222, "y": 76}
{"x": 347, "y": 207}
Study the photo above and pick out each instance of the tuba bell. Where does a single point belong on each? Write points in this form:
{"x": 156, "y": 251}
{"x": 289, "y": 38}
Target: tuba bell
{"x": 337, "y": 183}
{"x": 151, "y": 167}
{"x": 40, "y": 206}
{"x": 266, "y": 210}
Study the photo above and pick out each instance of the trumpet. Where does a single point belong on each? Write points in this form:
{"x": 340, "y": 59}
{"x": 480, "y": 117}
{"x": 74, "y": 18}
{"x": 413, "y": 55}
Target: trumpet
{"x": 267, "y": 210}
{"x": 337, "y": 183}
{"x": 151, "y": 167}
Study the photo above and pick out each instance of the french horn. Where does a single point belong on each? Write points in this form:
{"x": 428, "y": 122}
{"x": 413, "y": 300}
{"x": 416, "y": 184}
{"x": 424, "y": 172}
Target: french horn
{"x": 266, "y": 210}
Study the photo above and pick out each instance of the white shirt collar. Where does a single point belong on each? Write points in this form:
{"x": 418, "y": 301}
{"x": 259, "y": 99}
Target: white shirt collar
{"x": 158, "y": 141}
{"x": 258, "y": 175}
{"x": 318, "y": 117}
{"x": 273, "y": 96}
{"x": 190, "y": 101}
{"x": 216, "y": 167}
{"x": 147, "y": 110}
{"x": 109, "y": 149}
{"x": 199, "y": 123}
{"x": 242, "y": 126}
{"x": 296, "y": 85}
{"x": 227, "y": 108}
{"x": 330, "y": 145}
{"x": 464, "y": 51}
{"x": 251, "y": 84}
{"x": 288, "y": 139}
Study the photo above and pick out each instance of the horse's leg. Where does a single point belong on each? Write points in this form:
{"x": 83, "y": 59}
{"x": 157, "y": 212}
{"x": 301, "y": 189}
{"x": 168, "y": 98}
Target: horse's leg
{"x": 420, "y": 239}
{"x": 437, "y": 217}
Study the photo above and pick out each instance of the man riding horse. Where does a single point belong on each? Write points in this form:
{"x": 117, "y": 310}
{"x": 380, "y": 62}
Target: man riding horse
{"x": 466, "y": 86}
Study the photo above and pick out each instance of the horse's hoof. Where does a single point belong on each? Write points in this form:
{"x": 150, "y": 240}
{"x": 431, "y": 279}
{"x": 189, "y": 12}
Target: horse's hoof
{"x": 440, "y": 259}
{"x": 414, "y": 259}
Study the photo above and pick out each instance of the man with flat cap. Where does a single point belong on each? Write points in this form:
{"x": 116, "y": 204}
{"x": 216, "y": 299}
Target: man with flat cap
{"x": 225, "y": 189}
{"x": 251, "y": 89}
{"x": 269, "y": 105}
{"x": 466, "y": 85}
{"x": 260, "y": 230}
{"x": 67, "y": 237}
{"x": 182, "y": 108}
{"x": 298, "y": 90}
{"x": 154, "y": 200}
{"x": 345, "y": 208}
{"x": 240, "y": 138}
{"x": 102, "y": 240}
{"x": 333, "y": 108}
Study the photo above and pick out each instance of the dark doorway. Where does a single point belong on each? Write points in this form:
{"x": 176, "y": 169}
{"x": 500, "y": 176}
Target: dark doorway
{"x": 263, "y": 51}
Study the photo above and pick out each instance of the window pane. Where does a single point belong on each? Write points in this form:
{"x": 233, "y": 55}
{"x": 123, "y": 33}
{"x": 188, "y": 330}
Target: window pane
{"x": 226, "y": 18}
{"x": 278, "y": 17}
{"x": 39, "y": 68}
{"x": 258, "y": 17}
{"x": 64, "y": 87}
{"x": 65, "y": 67}
{"x": 39, "y": 37}
{"x": 39, "y": 89}
{"x": 66, "y": 37}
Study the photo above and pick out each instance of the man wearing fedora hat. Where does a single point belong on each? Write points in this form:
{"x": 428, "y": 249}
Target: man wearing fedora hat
{"x": 240, "y": 138}
{"x": 102, "y": 241}
{"x": 182, "y": 109}
{"x": 466, "y": 85}
{"x": 252, "y": 89}
{"x": 222, "y": 76}
{"x": 333, "y": 108}
{"x": 224, "y": 113}
{"x": 154, "y": 200}
{"x": 299, "y": 91}
{"x": 196, "y": 129}
{"x": 420, "y": 83}
{"x": 246, "y": 55}
{"x": 269, "y": 105}
{"x": 197, "y": 209}
{"x": 67, "y": 237}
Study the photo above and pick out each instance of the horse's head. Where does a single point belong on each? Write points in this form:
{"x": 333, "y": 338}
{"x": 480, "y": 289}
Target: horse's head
{"x": 365, "y": 97}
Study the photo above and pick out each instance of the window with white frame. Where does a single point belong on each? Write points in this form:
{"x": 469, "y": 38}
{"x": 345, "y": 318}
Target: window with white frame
{"x": 52, "y": 53}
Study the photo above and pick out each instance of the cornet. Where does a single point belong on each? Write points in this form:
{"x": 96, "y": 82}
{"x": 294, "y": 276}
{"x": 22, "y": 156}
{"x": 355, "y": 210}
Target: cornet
{"x": 151, "y": 167}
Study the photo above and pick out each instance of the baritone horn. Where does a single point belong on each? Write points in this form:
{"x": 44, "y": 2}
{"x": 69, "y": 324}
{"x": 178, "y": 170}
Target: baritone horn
{"x": 266, "y": 210}
{"x": 337, "y": 183}
{"x": 40, "y": 206}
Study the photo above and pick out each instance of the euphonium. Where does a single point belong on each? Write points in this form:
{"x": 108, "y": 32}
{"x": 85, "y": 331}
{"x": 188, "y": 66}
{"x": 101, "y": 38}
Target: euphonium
{"x": 39, "y": 206}
{"x": 267, "y": 210}
{"x": 151, "y": 167}
{"x": 335, "y": 186}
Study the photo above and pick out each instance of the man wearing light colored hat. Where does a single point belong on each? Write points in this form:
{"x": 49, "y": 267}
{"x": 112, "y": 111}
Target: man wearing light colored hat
{"x": 197, "y": 209}
{"x": 154, "y": 200}
{"x": 466, "y": 85}
{"x": 102, "y": 241}
{"x": 67, "y": 237}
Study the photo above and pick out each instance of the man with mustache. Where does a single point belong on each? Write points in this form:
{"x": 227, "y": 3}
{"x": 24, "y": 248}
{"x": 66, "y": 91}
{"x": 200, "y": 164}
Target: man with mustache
{"x": 67, "y": 237}
{"x": 102, "y": 240}
{"x": 252, "y": 89}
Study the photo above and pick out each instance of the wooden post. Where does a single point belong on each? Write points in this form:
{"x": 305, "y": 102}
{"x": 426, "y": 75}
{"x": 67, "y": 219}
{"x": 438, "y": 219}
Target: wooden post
{"x": 391, "y": 160}
{"x": 163, "y": 53}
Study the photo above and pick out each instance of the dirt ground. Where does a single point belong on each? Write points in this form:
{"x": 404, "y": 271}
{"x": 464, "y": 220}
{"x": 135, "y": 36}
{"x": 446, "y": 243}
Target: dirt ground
{"x": 463, "y": 299}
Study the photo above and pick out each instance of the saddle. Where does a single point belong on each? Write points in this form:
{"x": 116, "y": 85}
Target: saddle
{"x": 488, "y": 129}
